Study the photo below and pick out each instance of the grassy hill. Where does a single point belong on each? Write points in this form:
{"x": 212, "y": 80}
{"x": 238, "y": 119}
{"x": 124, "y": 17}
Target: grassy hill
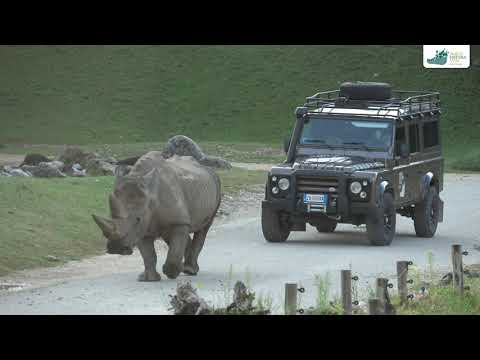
{"x": 129, "y": 94}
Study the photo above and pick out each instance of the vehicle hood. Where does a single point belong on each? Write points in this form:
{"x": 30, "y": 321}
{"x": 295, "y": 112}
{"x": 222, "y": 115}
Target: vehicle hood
{"x": 337, "y": 163}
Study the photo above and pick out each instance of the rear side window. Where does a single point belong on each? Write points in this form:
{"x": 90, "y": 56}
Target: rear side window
{"x": 399, "y": 139}
{"x": 430, "y": 134}
{"x": 413, "y": 134}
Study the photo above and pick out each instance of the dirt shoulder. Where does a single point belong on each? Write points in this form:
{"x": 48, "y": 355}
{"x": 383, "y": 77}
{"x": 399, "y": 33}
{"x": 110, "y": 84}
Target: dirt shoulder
{"x": 11, "y": 159}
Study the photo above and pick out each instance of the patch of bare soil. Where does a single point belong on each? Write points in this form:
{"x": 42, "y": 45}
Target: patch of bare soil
{"x": 11, "y": 159}
{"x": 252, "y": 166}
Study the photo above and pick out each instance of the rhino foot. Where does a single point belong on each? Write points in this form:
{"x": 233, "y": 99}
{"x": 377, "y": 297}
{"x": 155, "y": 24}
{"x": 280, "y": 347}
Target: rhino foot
{"x": 190, "y": 269}
{"x": 149, "y": 276}
{"x": 172, "y": 270}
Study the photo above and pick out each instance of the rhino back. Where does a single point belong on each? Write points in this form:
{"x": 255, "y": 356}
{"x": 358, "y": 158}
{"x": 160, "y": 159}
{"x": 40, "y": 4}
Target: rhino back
{"x": 186, "y": 192}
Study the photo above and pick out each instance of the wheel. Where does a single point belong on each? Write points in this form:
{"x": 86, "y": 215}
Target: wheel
{"x": 273, "y": 229}
{"x": 425, "y": 216}
{"x": 381, "y": 224}
{"x": 327, "y": 226}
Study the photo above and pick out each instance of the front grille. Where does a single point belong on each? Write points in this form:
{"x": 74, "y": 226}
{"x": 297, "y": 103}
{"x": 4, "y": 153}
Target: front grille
{"x": 317, "y": 185}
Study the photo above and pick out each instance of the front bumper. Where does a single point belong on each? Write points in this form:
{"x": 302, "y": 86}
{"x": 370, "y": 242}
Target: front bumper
{"x": 344, "y": 208}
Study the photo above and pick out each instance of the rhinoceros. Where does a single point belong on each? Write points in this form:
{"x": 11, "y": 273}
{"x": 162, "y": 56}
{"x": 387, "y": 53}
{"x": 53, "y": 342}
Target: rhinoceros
{"x": 162, "y": 198}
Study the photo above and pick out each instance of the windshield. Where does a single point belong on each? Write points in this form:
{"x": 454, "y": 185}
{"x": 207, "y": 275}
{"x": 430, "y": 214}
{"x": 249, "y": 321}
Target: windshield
{"x": 347, "y": 132}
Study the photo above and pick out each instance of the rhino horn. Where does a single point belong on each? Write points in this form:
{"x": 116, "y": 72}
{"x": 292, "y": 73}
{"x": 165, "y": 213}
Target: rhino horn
{"x": 107, "y": 226}
{"x": 116, "y": 208}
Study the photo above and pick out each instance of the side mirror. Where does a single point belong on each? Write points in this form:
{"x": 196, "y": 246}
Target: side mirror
{"x": 286, "y": 143}
{"x": 404, "y": 151}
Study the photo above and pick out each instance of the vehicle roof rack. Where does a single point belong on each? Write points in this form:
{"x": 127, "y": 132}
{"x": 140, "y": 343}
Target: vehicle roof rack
{"x": 402, "y": 103}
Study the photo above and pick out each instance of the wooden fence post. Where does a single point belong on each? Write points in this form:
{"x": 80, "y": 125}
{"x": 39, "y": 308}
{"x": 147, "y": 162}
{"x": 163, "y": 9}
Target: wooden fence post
{"x": 374, "y": 306}
{"x": 381, "y": 293}
{"x": 346, "y": 291}
{"x": 402, "y": 273}
{"x": 291, "y": 298}
{"x": 457, "y": 263}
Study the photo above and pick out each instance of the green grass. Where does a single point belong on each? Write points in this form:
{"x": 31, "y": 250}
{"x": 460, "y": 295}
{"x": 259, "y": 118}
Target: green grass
{"x": 445, "y": 300}
{"x": 233, "y": 94}
{"x": 42, "y": 217}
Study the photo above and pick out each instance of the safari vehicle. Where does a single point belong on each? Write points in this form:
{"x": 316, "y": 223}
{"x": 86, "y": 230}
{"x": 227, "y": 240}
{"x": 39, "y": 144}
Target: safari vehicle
{"x": 359, "y": 155}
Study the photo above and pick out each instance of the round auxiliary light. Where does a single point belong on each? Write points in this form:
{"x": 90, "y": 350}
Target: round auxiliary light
{"x": 355, "y": 187}
{"x": 364, "y": 183}
{"x": 284, "y": 184}
{"x": 275, "y": 190}
{"x": 274, "y": 178}
{"x": 363, "y": 194}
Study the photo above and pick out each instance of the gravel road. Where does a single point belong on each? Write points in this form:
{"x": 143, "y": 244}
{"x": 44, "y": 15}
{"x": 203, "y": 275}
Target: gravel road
{"x": 107, "y": 284}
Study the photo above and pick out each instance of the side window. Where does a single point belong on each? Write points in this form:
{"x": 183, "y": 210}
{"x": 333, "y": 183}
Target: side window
{"x": 430, "y": 134}
{"x": 399, "y": 139}
{"x": 413, "y": 134}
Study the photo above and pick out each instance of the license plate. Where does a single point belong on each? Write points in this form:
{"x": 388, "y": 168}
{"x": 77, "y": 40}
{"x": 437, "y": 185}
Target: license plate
{"x": 321, "y": 199}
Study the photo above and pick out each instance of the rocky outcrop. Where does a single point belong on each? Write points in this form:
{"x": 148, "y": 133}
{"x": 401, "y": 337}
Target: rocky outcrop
{"x": 11, "y": 171}
{"x": 99, "y": 167}
{"x": 184, "y": 146}
{"x": 45, "y": 169}
{"x": 73, "y": 155}
{"x": 34, "y": 159}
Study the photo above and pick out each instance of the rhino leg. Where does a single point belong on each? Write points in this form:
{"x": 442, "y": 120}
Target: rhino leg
{"x": 177, "y": 242}
{"x": 147, "y": 250}
{"x": 191, "y": 257}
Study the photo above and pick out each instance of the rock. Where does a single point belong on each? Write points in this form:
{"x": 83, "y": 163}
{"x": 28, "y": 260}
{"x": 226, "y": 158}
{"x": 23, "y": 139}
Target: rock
{"x": 57, "y": 164}
{"x": 78, "y": 171}
{"x": 44, "y": 170}
{"x": 99, "y": 167}
{"x": 129, "y": 161}
{"x": 34, "y": 159}
{"x": 3, "y": 172}
{"x": 19, "y": 172}
{"x": 184, "y": 146}
{"x": 111, "y": 160}
{"x": 73, "y": 155}
{"x": 187, "y": 302}
{"x": 242, "y": 299}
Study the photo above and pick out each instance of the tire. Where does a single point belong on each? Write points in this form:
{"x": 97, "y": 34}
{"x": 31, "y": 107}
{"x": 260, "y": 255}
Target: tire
{"x": 327, "y": 226}
{"x": 365, "y": 91}
{"x": 272, "y": 228}
{"x": 425, "y": 217}
{"x": 381, "y": 225}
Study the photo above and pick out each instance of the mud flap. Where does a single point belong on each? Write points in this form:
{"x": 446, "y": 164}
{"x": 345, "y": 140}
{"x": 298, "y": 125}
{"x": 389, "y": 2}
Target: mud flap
{"x": 440, "y": 210}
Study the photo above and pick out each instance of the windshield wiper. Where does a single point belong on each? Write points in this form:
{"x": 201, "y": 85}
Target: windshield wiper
{"x": 318, "y": 141}
{"x": 363, "y": 145}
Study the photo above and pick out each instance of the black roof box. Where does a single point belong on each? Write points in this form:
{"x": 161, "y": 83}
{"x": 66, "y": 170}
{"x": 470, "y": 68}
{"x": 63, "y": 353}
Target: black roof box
{"x": 365, "y": 91}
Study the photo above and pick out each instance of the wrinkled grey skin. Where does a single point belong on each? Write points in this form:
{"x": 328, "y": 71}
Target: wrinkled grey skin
{"x": 162, "y": 198}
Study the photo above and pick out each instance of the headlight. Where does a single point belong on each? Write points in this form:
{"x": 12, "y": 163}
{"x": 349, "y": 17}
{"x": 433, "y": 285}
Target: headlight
{"x": 355, "y": 187}
{"x": 275, "y": 190}
{"x": 284, "y": 184}
{"x": 363, "y": 194}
